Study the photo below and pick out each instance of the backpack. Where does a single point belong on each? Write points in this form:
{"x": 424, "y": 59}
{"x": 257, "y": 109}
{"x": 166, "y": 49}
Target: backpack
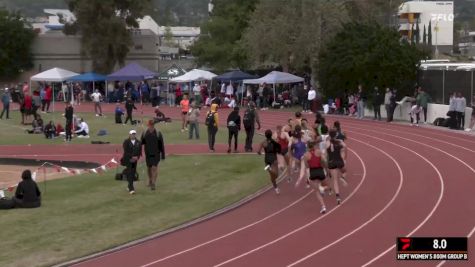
{"x": 248, "y": 118}
{"x": 210, "y": 119}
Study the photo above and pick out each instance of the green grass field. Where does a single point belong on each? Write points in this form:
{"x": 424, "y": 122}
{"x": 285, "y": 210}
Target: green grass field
{"x": 13, "y": 133}
{"x": 89, "y": 213}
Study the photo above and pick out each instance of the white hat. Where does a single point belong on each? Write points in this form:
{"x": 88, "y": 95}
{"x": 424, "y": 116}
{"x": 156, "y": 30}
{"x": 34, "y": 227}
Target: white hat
{"x": 132, "y": 132}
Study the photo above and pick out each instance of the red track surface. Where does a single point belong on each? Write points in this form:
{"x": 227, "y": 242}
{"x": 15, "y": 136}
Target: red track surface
{"x": 404, "y": 181}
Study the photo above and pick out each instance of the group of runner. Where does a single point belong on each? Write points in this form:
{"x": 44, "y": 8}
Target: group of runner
{"x": 316, "y": 155}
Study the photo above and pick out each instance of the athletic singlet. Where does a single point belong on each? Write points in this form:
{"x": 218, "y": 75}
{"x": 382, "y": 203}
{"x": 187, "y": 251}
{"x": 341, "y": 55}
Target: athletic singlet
{"x": 271, "y": 150}
{"x": 299, "y": 149}
{"x": 335, "y": 155}
{"x": 283, "y": 142}
{"x": 314, "y": 162}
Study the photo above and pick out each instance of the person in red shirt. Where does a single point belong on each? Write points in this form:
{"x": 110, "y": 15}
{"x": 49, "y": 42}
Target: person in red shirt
{"x": 48, "y": 97}
{"x": 178, "y": 95}
{"x": 26, "y": 107}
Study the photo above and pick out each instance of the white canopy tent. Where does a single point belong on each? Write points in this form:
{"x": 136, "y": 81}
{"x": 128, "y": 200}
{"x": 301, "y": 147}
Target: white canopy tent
{"x": 54, "y": 75}
{"x": 276, "y": 77}
{"x": 194, "y": 76}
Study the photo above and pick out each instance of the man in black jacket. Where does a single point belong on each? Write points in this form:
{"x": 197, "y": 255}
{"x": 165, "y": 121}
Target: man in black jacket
{"x": 251, "y": 117}
{"x": 68, "y": 114}
{"x": 234, "y": 126}
{"x": 132, "y": 152}
{"x": 152, "y": 140}
{"x": 377, "y": 101}
{"x": 129, "y": 107}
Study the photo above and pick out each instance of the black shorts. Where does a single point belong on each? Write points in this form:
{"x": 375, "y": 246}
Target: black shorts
{"x": 335, "y": 165}
{"x": 317, "y": 174}
{"x": 184, "y": 112}
{"x": 270, "y": 159}
{"x": 152, "y": 161}
{"x": 284, "y": 151}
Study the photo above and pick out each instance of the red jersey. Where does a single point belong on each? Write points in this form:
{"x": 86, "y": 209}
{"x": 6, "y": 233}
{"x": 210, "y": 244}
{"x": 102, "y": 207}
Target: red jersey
{"x": 314, "y": 162}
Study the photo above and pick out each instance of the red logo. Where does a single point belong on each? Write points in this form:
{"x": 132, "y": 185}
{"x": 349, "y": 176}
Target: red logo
{"x": 406, "y": 243}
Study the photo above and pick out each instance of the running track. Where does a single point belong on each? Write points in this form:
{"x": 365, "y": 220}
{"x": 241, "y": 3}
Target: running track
{"x": 404, "y": 181}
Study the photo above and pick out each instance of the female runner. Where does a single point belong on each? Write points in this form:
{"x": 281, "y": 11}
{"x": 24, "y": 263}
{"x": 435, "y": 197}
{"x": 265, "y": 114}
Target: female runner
{"x": 336, "y": 153}
{"x": 271, "y": 149}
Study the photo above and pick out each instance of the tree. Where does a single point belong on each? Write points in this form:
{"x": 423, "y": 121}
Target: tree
{"x": 424, "y": 36}
{"x": 218, "y": 46}
{"x": 291, "y": 37}
{"x": 429, "y": 34}
{"x": 418, "y": 33}
{"x": 15, "y": 47}
{"x": 370, "y": 54}
{"x": 103, "y": 28}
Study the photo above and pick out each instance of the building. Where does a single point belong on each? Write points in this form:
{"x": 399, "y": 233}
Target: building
{"x": 467, "y": 45}
{"x": 52, "y": 48}
{"x": 434, "y": 16}
{"x": 182, "y": 37}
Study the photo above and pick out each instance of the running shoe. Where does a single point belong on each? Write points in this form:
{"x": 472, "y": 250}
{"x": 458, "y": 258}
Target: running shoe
{"x": 323, "y": 210}
{"x": 132, "y": 192}
{"x": 277, "y": 191}
{"x": 338, "y": 201}
{"x": 267, "y": 168}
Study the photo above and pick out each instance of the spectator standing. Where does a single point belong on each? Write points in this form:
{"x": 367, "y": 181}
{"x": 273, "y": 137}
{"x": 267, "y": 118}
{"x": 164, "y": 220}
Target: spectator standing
{"x": 361, "y": 102}
{"x": 48, "y": 97}
{"x": 132, "y": 152}
{"x": 311, "y": 98}
{"x": 154, "y": 149}
{"x": 68, "y": 114}
{"x": 97, "y": 98}
{"x": 26, "y": 107}
{"x": 423, "y": 100}
{"x": 229, "y": 90}
{"x": 6, "y": 100}
{"x": 193, "y": 118}
{"x": 377, "y": 98}
{"x": 178, "y": 95}
{"x": 392, "y": 105}
{"x": 212, "y": 120}
{"x": 460, "y": 105}
{"x": 387, "y": 102}
{"x": 453, "y": 111}
{"x": 234, "y": 126}
{"x": 145, "y": 92}
{"x": 129, "y": 107}
{"x": 249, "y": 120}
{"x": 197, "y": 94}
{"x": 305, "y": 103}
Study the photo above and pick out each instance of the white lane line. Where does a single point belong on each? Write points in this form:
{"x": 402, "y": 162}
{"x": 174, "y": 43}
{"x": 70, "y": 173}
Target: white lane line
{"x": 423, "y": 136}
{"x": 401, "y": 179}
{"x": 298, "y": 229}
{"x": 230, "y": 233}
{"x": 468, "y": 236}
{"x": 432, "y": 147}
{"x": 250, "y": 225}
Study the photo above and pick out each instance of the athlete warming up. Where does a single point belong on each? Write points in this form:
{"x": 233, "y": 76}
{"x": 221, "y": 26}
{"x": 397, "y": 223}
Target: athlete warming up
{"x": 271, "y": 149}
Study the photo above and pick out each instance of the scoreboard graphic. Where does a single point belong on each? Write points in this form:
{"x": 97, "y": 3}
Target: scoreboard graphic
{"x": 432, "y": 248}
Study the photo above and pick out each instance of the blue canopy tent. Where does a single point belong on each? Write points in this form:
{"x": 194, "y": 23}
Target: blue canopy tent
{"x": 132, "y": 72}
{"x": 89, "y": 77}
{"x": 235, "y": 76}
